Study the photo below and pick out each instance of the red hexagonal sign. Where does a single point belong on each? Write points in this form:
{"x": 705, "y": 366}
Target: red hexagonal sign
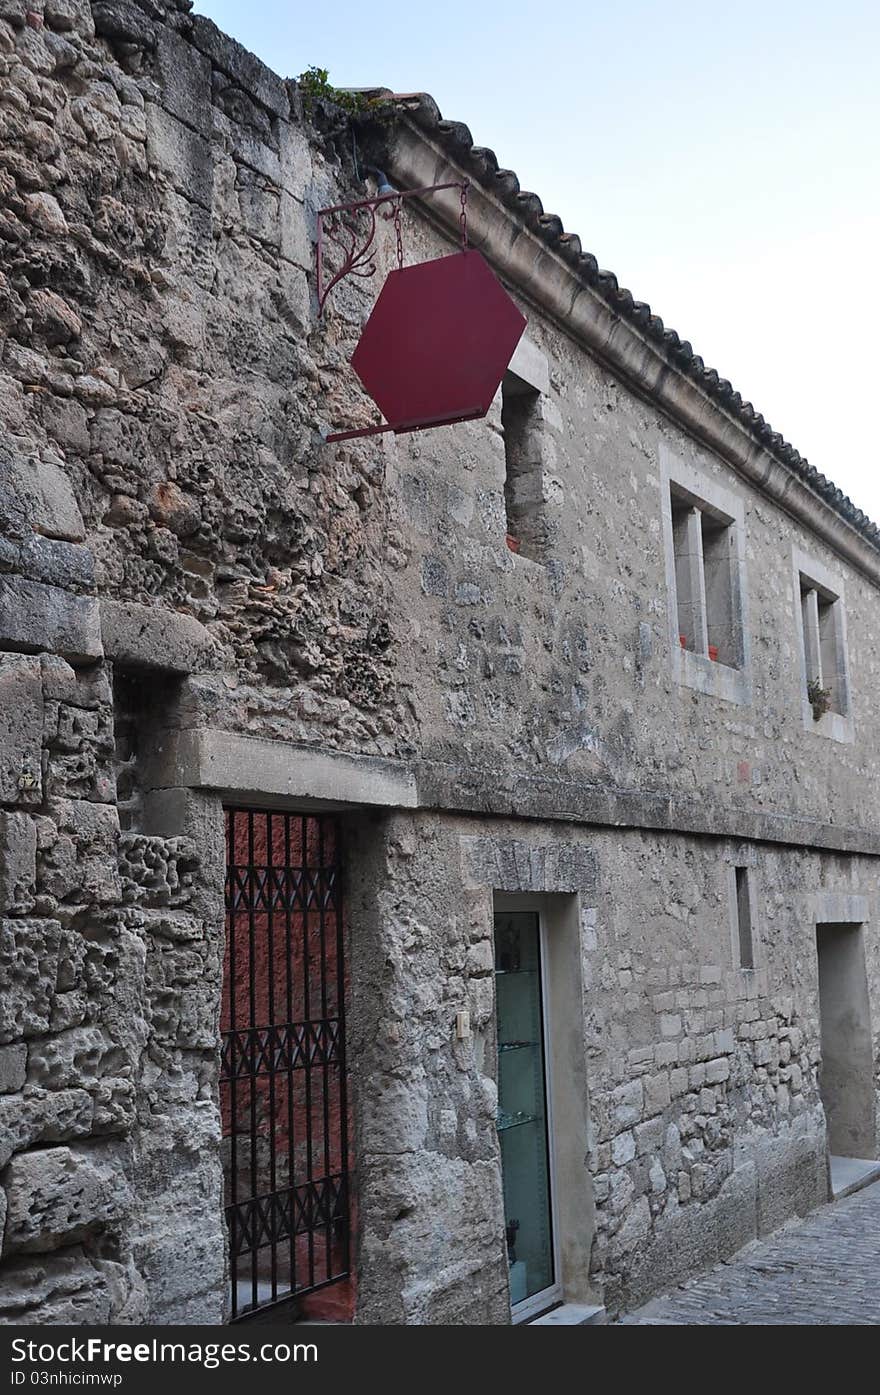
{"x": 438, "y": 342}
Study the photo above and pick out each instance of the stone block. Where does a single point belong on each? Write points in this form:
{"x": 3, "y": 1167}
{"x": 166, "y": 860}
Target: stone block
{"x": 60, "y": 1196}
{"x": 185, "y": 75}
{"x": 243, "y": 67}
{"x": 156, "y": 871}
{"x": 295, "y": 159}
{"x": 85, "y": 687}
{"x": 68, "y": 565}
{"x": 180, "y": 153}
{"x": 678, "y": 1081}
{"x": 70, "y": 15}
{"x": 298, "y": 232}
{"x": 21, "y": 729}
{"x": 248, "y": 148}
{"x": 13, "y": 1067}
{"x": 124, "y": 22}
{"x": 70, "y": 1289}
{"x": 43, "y": 1118}
{"x": 34, "y": 616}
{"x": 143, "y": 636}
{"x": 36, "y": 495}
{"x": 656, "y": 1093}
{"x": 81, "y": 864}
{"x": 623, "y": 1149}
{"x": 18, "y": 863}
{"x": 28, "y": 967}
{"x": 626, "y": 1102}
{"x": 76, "y": 1059}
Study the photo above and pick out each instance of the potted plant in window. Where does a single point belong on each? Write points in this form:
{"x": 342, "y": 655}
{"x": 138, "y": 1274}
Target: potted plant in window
{"x": 819, "y": 698}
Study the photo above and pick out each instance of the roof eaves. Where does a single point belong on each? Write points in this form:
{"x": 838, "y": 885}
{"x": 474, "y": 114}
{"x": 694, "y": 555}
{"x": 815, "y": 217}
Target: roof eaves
{"x": 482, "y": 162}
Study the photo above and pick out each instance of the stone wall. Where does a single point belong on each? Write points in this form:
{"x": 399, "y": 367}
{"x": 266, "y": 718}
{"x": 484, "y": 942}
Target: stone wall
{"x": 181, "y": 554}
{"x": 706, "y": 1123}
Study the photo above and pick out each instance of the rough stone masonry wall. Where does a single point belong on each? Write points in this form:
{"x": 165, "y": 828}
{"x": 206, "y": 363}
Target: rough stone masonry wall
{"x": 109, "y": 953}
{"x": 706, "y": 1126}
{"x": 155, "y": 385}
{"x": 162, "y": 378}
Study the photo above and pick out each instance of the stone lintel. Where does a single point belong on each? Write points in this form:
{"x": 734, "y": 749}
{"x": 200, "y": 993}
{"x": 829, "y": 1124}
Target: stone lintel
{"x": 152, "y": 636}
{"x": 262, "y": 771}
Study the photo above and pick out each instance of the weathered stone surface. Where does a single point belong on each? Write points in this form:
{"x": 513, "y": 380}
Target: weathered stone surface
{"x": 68, "y": 565}
{"x": 142, "y": 636}
{"x": 251, "y": 75}
{"x": 123, "y": 22}
{"x": 35, "y": 616}
{"x": 376, "y": 644}
{"x": 157, "y": 871}
{"x": 185, "y": 76}
{"x": 59, "y": 1196}
{"x": 18, "y": 863}
{"x": 183, "y": 156}
{"x": 13, "y": 1067}
{"x": 28, "y": 964}
{"x": 70, "y": 1289}
{"x": 80, "y": 862}
{"x": 43, "y": 1118}
{"x": 77, "y": 1058}
{"x": 21, "y": 725}
{"x": 70, "y": 16}
{"x": 41, "y": 493}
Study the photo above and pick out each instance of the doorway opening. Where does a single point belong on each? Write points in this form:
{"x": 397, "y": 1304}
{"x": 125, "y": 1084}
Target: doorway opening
{"x": 846, "y": 1076}
{"x": 524, "y": 1122}
{"x": 283, "y": 1096}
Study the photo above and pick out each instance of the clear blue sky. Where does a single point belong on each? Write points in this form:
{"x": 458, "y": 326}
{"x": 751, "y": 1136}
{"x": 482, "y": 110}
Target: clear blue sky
{"x": 724, "y": 161}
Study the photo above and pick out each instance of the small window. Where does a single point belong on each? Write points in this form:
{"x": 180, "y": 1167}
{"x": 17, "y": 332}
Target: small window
{"x": 744, "y": 918}
{"x": 705, "y": 580}
{"x": 524, "y": 475}
{"x": 824, "y": 657}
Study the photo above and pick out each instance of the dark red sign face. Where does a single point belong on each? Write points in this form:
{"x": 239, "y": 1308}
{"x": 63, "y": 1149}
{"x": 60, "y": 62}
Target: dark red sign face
{"x": 438, "y": 342}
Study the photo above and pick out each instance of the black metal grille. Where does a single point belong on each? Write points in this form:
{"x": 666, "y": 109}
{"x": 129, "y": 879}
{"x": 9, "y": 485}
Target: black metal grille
{"x": 282, "y": 1077}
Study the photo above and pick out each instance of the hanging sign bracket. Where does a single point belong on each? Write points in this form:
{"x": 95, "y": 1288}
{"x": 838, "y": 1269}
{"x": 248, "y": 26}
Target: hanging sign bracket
{"x": 358, "y": 251}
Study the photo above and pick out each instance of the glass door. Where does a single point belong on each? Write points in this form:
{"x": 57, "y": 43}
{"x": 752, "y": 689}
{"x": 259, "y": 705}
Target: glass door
{"x": 523, "y": 1110}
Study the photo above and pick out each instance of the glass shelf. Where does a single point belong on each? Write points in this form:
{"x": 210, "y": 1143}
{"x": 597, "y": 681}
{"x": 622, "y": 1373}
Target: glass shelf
{"x": 509, "y": 973}
{"x": 516, "y": 1046}
{"x": 515, "y": 1123}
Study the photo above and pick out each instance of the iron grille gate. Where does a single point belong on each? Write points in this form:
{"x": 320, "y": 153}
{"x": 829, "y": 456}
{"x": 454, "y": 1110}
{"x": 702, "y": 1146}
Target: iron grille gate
{"x": 282, "y": 1075}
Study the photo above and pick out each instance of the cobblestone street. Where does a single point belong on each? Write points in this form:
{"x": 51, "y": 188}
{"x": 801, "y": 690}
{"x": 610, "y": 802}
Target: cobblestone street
{"x": 824, "y": 1270}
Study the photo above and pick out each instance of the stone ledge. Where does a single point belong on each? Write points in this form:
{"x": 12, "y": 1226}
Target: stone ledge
{"x": 153, "y": 637}
{"x": 571, "y": 1315}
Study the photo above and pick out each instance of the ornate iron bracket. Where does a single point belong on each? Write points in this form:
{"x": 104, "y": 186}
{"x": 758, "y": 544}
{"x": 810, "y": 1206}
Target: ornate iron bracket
{"x": 358, "y": 250}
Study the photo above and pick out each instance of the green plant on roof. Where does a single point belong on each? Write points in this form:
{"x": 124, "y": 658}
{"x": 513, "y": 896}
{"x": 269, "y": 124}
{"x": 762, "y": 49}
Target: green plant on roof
{"x": 316, "y": 86}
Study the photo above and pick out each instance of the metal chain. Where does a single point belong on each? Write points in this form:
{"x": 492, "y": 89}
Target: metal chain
{"x": 398, "y": 234}
{"x": 462, "y": 217}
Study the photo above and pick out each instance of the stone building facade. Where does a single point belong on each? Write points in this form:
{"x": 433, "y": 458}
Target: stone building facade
{"x": 654, "y": 726}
